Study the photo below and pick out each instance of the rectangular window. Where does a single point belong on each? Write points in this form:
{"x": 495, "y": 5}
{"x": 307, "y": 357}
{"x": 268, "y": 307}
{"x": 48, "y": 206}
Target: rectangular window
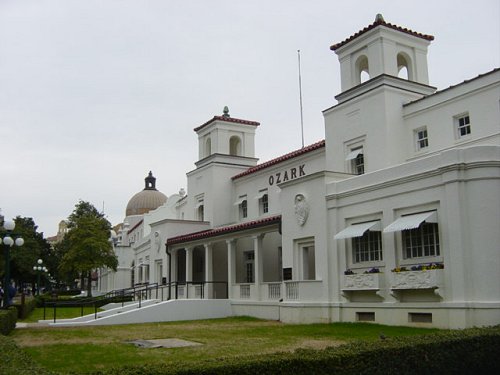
{"x": 243, "y": 209}
{"x": 421, "y": 138}
{"x": 359, "y": 164}
{"x": 463, "y": 125}
{"x": 420, "y": 317}
{"x": 201, "y": 213}
{"x": 421, "y": 242}
{"x": 264, "y": 204}
{"x": 242, "y": 205}
{"x": 357, "y": 159}
{"x": 199, "y": 208}
{"x": 308, "y": 263}
{"x": 249, "y": 266}
{"x": 365, "y": 316}
{"x": 368, "y": 247}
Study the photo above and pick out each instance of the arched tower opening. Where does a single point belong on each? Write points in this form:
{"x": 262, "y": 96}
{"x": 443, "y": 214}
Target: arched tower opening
{"x": 362, "y": 69}
{"x": 208, "y": 147}
{"x": 235, "y": 146}
{"x": 404, "y": 66}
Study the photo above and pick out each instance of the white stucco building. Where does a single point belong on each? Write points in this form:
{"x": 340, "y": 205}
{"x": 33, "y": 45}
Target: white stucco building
{"x": 394, "y": 218}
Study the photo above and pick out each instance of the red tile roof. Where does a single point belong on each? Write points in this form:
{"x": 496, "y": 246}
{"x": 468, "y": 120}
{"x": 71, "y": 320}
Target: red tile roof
{"x": 280, "y": 159}
{"x": 381, "y": 22}
{"x": 224, "y": 230}
{"x": 227, "y": 119}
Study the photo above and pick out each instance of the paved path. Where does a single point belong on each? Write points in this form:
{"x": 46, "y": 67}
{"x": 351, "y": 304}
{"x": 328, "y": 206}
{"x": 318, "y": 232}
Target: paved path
{"x": 30, "y": 325}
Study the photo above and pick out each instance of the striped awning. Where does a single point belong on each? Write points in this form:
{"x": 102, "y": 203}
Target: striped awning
{"x": 240, "y": 200}
{"x": 357, "y": 230}
{"x": 411, "y": 221}
{"x": 261, "y": 194}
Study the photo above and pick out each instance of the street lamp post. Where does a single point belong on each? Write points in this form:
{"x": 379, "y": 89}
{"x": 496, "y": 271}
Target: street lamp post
{"x": 39, "y": 269}
{"x": 8, "y": 242}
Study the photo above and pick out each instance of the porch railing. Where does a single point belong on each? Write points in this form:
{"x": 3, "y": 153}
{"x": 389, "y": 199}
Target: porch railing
{"x": 193, "y": 289}
{"x": 245, "y": 291}
{"x": 292, "y": 290}
{"x": 274, "y": 291}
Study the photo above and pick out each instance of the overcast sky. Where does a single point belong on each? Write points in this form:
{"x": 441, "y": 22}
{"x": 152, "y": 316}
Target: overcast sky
{"x": 96, "y": 93}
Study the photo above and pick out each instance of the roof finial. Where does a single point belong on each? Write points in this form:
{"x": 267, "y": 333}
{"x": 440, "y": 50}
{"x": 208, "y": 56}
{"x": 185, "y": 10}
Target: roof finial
{"x": 379, "y": 18}
{"x": 225, "y": 112}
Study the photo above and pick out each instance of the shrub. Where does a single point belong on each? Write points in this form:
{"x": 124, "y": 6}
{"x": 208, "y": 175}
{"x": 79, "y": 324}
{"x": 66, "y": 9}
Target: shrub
{"x": 16, "y": 361}
{"x": 8, "y": 320}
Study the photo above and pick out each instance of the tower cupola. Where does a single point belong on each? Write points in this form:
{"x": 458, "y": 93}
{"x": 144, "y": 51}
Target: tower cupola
{"x": 226, "y": 135}
{"x": 383, "y": 49}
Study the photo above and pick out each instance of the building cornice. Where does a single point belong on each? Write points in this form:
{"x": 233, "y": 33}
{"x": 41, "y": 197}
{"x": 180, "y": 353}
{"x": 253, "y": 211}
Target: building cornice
{"x": 382, "y": 80}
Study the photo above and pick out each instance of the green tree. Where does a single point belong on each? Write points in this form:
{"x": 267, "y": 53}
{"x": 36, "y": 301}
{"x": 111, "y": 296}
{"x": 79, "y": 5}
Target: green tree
{"x": 22, "y": 259}
{"x": 86, "y": 246}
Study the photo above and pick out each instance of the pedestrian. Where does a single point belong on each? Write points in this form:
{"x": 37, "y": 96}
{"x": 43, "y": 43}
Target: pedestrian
{"x": 11, "y": 293}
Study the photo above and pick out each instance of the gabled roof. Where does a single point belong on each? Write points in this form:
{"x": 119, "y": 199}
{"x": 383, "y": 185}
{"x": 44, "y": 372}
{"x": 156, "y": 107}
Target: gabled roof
{"x": 227, "y": 119}
{"x": 280, "y": 159}
{"x": 379, "y": 21}
{"x": 224, "y": 230}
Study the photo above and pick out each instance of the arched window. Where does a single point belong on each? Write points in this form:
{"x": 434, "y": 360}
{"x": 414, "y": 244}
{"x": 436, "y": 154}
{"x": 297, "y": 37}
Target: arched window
{"x": 234, "y": 146}
{"x": 404, "y": 66}
{"x": 208, "y": 147}
{"x": 362, "y": 69}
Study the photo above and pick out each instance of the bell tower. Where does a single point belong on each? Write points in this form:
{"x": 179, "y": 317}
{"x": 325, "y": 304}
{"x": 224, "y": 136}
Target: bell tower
{"x": 383, "y": 49}
{"x": 225, "y": 148}
{"x": 226, "y": 135}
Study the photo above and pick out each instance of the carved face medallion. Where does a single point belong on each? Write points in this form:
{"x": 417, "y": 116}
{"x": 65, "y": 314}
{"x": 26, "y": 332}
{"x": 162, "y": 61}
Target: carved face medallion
{"x": 301, "y": 209}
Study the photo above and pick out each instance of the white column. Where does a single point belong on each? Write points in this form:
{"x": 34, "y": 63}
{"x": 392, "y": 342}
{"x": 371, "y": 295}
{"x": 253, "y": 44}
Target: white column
{"x": 172, "y": 272}
{"x": 231, "y": 267}
{"x": 189, "y": 263}
{"x": 208, "y": 271}
{"x": 259, "y": 275}
{"x": 173, "y": 267}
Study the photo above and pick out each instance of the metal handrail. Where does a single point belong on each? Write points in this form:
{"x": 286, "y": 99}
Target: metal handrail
{"x": 137, "y": 292}
{"x": 133, "y": 292}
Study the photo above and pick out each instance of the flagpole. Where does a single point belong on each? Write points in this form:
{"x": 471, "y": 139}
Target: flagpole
{"x": 300, "y": 96}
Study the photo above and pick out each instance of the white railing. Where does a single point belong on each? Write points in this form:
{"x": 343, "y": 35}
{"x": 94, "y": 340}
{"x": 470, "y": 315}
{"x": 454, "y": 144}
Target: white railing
{"x": 181, "y": 291}
{"x": 305, "y": 290}
{"x": 274, "y": 291}
{"x": 244, "y": 291}
{"x": 292, "y": 290}
{"x": 198, "y": 291}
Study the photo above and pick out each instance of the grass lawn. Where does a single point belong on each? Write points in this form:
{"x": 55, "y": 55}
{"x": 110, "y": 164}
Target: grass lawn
{"x": 87, "y": 349}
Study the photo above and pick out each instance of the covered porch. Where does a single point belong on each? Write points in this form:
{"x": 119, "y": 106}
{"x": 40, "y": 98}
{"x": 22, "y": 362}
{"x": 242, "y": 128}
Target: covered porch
{"x": 238, "y": 262}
